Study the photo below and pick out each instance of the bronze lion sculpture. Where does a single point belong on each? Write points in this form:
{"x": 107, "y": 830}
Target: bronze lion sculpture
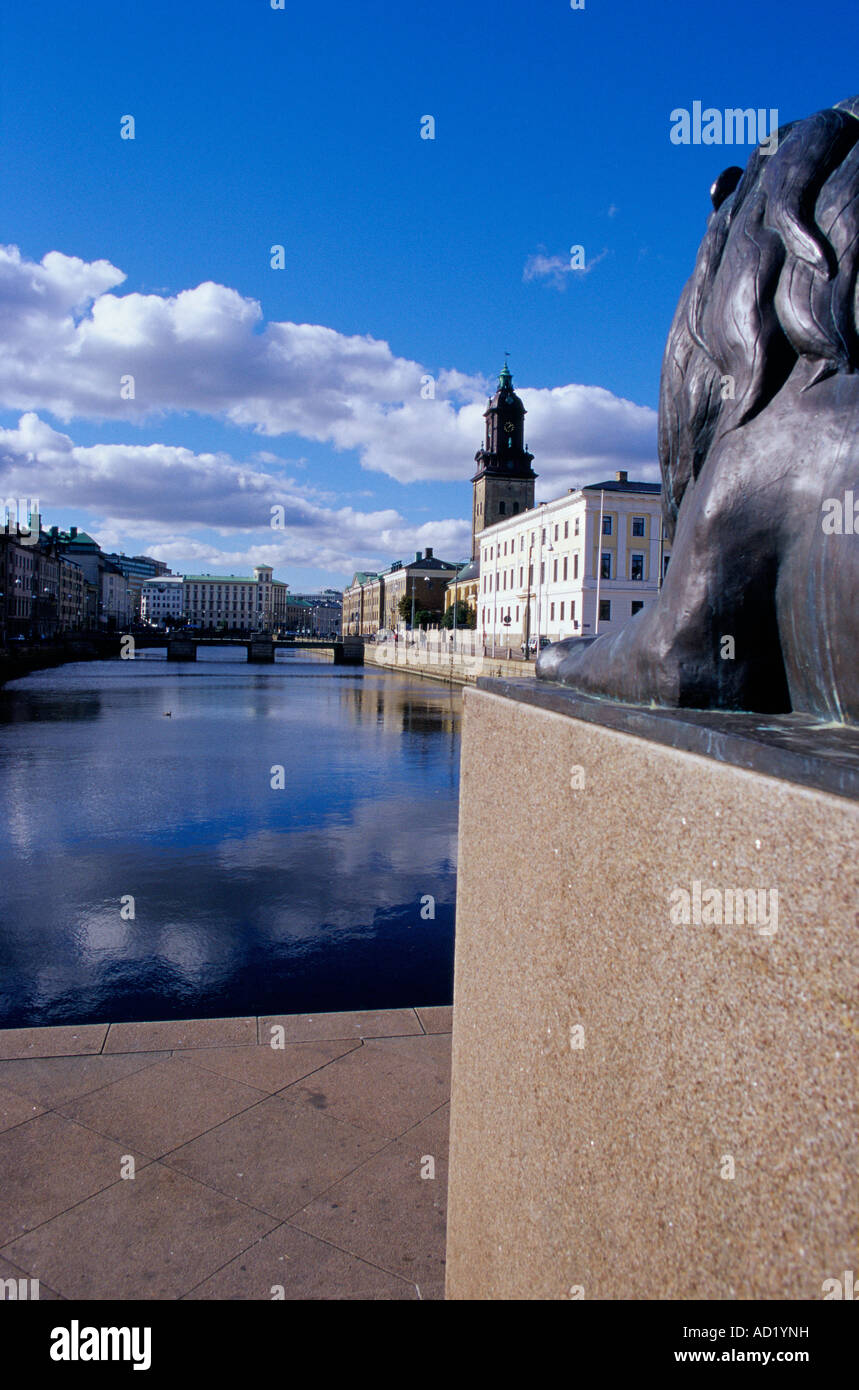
{"x": 759, "y": 452}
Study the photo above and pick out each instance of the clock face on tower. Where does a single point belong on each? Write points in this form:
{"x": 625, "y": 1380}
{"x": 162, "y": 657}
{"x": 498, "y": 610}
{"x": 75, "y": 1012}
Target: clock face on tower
{"x": 509, "y": 427}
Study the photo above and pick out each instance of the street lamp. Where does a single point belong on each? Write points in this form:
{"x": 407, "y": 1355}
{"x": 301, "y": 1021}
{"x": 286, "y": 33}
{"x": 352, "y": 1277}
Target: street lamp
{"x": 414, "y": 583}
{"x": 526, "y": 626}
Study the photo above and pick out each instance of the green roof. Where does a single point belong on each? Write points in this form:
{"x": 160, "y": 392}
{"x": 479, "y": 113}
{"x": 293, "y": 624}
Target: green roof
{"x": 227, "y": 579}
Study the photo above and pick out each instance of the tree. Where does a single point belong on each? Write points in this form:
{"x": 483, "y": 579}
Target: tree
{"x": 466, "y": 617}
{"x": 423, "y": 616}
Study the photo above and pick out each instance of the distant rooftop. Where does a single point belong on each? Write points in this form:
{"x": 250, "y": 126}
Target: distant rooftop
{"x": 227, "y": 579}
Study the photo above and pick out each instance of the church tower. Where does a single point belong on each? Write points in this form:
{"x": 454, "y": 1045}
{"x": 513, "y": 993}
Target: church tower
{"x": 504, "y": 481}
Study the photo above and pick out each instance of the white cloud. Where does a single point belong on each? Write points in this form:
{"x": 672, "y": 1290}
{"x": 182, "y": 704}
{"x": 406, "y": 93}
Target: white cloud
{"x": 162, "y": 494}
{"x": 557, "y": 269}
{"x": 67, "y": 339}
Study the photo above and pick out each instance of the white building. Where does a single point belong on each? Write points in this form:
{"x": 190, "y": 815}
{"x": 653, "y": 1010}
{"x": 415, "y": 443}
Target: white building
{"x": 581, "y": 565}
{"x": 235, "y": 601}
{"x": 162, "y": 601}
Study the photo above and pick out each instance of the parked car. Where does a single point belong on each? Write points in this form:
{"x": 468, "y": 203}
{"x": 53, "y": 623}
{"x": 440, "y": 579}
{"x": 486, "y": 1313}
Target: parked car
{"x": 532, "y": 645}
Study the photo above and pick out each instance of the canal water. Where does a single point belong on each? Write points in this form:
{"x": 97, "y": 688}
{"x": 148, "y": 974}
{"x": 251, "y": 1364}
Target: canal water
{"x": 153, "y": 867}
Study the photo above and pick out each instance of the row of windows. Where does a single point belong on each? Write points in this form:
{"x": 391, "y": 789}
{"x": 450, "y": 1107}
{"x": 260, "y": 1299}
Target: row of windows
{"x": 205, "y": 589}
{"x": 508, "y": 617}
{"x": 639, "y": 527}
{"x": 560, "y": 571}
{"x": 605, "y": 608}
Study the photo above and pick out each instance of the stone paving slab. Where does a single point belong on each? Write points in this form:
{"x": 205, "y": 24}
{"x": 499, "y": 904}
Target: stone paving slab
{"x": 181, "y": 1033}
{"x": 372, "y": 1023}
{"x": 387, "y": 1210}
{"x": 438, "y": 1018}
{"x": 256, "y": 1166}
{"x": 14, "y": 1110}
{"x": 23, "y": 1294}
{"x": 150, "y": 1238}
{"x": 52, "y": 1042}
{"x": 303, "y": 1268}
{"x": 159, "y": 1108}
{"x": 276, "y": 1156}
{"x": 48, "y": 1165}
{"x": 52, "y": 1080}
{"x": 377, "y": 1089}
{"x": 267, "y": 1068}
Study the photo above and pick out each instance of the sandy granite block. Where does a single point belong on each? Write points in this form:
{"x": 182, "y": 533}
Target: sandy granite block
{"x": 370, "y": 1023}
{"x": 64, "y": 1041}
{"x": 436, "y": 1018}
{"x": 181, "y": 1033}
{"x": 650, "y": 1101}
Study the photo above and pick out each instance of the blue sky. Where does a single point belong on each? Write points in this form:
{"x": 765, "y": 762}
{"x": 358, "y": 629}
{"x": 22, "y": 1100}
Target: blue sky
{"x": 403, "y": 257}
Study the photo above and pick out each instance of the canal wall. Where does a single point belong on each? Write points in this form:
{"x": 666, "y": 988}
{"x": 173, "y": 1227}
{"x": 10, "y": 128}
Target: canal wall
{"x": 15, "y": 663}
{"x": 438, "y": 661}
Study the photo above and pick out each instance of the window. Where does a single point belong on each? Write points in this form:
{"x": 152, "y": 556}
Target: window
{"x": 636, "y": 572}
{"x": 576, "y": 529}
{"x": 556, "y": 533}
{"x": 638, "y": 525}
{"x": 605, "y": 610}
{"x": 665, "y": 560}
{"x": 607, "y": 525}
{"x": 542, "y": 571}
{"x": 562, "y": 612}
{"x": 502, "y": 508}
{"x": 573, "y": 613}
{"x": 544, "y": 536}
{"x": 576, "y": 565}
{"x": 517, "y": 613}
{"x": 530, "y": 574}
{"x": 551, "y": 612}
{"x": 636, "y": 606}
{"x": 566, "y": 529}
{"x": 521, "y": 542}
{"x": 565, "y": 566}
{"x": 605, "y": 565}
{"x": 515, "y": 509}
{"x": 521, "y": 575}
{"x": 555, "y": 572}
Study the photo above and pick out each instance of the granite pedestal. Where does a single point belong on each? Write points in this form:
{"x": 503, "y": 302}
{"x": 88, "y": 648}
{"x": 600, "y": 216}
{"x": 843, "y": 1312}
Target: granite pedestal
{"x": 654, "y": 1068}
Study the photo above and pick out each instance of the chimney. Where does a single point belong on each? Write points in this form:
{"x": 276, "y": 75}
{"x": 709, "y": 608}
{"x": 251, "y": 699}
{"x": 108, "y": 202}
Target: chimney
{"x": 417, "y": 556}
{"x": 73, "y": 531}
{"x": 429, "y": 552}
{"x": 620, "y": 476}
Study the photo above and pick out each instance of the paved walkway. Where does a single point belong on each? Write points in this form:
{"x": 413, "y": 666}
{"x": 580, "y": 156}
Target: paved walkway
{"x": 197, "y": 1160}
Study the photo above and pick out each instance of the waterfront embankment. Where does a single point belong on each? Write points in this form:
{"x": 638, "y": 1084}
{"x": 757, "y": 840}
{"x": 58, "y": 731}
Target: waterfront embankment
{"x": 21, "y": 658}
{"x": 441, "y": 661}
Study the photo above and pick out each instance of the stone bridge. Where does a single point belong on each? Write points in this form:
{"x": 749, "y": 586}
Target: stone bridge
{"x": 348, "y": 652}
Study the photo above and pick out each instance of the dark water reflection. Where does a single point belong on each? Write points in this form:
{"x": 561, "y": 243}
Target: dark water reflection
{"x": 246, "y": 899}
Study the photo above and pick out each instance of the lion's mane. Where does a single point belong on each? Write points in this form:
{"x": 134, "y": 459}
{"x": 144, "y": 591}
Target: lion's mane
{"x": 775, "y": 280}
